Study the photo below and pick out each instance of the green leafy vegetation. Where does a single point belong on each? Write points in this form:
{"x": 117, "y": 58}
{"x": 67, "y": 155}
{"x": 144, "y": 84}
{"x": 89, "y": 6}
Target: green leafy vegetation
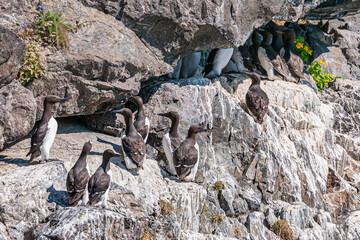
{"x": 304, "y": 51}
{"x": 31, "y": 67}
{"x": 166, "y": 207}
{"x": 282, "y": 229}
{"x": 321, "y": 78}
{"x": 52, "y": 28}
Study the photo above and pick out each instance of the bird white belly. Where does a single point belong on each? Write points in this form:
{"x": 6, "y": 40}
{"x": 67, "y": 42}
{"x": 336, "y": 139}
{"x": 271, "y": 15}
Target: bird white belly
{"x": 105, "y": 196}
{"x": 266, "y": 63}
{"x": 147, "y": 123}
{"x": 85, "y": 197}
{"x": 48, "y": 139}
{"x": 166, "y": 142}
{"x": 191, "y": 176}
{"x": 238, "y": 60}
{"x": 221, "y": 59}
{"x": 128, "y": 162}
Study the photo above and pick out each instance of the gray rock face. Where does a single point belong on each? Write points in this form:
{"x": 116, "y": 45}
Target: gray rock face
{"x": 334, "y": 9}
{"x": 17, "y": 113}
{"x": 12, "y": 53}
{"x": 173, "y": 28}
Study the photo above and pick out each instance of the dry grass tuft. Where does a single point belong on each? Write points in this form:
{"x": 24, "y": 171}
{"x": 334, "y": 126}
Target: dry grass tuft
{"x": 282, "y": 229}
{"x": 218, "y": 186}
{"x": 147, "y": 235}
{"x": 166, "y": 207}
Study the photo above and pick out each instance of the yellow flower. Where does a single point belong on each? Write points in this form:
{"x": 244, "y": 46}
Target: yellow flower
{"x": 310, "y": 52}
{"x": 323, "y": 63}
{"x": 299, "y": 45}
{"x": 327, "y": 80}
{"x": 332, "y": 75}
{"x": 306, "y": 48}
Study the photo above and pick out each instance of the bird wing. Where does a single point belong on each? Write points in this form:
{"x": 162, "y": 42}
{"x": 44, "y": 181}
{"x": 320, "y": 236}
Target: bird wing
{"x": 37, "y": 138}
{"x": 280, "y": 67}
{"x": 185, "y": 158}
{"x": 134, "y": 148}
{"x": 209, "y": 61}
{"x": 98, "y": 184}
{"x": 75, "y": 184}
{"x": 257, "y": 102}
{"x": 296, "y": 66}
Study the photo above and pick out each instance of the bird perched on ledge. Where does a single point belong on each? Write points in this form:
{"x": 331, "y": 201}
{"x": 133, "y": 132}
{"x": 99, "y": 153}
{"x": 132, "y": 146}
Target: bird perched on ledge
{"x": 186, "y": 157}
{"x": 45, "y": 131}
{"x": 257, "y": 100}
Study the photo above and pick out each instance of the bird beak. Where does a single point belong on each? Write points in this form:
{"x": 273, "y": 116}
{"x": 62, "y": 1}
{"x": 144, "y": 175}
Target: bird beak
{"x": 63, "y": 100}
{"x": 115, "y": 111}
{"x": 205, "y": 130}
{"x": 163, "y": 114}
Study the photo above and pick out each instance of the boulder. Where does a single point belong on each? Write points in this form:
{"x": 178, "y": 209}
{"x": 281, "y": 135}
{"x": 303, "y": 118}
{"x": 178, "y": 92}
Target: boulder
{"x": 17, "y": 111}
{"x": 12, "y": 53}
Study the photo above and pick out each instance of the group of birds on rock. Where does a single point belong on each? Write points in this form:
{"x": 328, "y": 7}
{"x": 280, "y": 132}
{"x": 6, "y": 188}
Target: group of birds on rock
{"x": 269, "y": 52}
{"x": 273, "y": 53}
{"x": 183, "y": 156}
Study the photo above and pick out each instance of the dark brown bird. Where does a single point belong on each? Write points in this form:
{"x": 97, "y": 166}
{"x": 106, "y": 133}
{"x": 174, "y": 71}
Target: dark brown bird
{"x": 99, "y": 183}
{"x": 186, "y": 157}
{"x": 257, "y": 100}
{"x": 171, "y": 140}
{"x": 142, "y": 123}
{"x": 78, "y": 178}
{"x": 270, "y": 59}
{"x": 133, "y": 144}
{"x": 45, "y": 131}
{"x": 292, "y": 59}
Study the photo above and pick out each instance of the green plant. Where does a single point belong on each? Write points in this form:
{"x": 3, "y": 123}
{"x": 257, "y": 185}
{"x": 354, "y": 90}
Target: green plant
{"x": 147, "y": 234}
{"x": 31, "y": 67}
{"x": 166, "y": 207}
{"x": 52, "y": 28}
{"x": 305, "y": 51}
{"x": 321, "y": 78}
{"x": 282, "y": 229}
{"x": 218, "y": 185}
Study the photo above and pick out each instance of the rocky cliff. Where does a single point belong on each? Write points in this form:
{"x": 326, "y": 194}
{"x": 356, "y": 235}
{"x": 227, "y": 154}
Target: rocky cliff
{"x": 301, "y": 166}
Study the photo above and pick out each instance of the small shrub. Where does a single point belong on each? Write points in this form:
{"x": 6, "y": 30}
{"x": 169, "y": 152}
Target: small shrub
{"x": 237, "y": 231}
{"x": 52, "y": 28}
{"x": 147, "y": 235}
{"x": 216, "y": 218}
{"x": 218, "y": 186}
{"x": 282, "y": 229}
{"x": 305, "y": 51}
{"x": 31, "y": 67}
{"x": 166, "y": 207}
{"x": 321, "y": 78}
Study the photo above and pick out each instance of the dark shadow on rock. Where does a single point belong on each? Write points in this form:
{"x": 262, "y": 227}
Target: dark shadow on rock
{"x": 69, "y": 125}
{"x": 58, "y": 197}
{"x": 116, "y": 147}
{"x": 17, "y": 161}
{"x": 167, "y": 175}
{"x": 121, "y": 165}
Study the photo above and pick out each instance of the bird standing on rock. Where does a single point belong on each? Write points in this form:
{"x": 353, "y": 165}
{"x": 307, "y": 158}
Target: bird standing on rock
{"x": 257, "y": 100}
{"x": 99, "y": 183}
{"x": 270, "y": 60}
{"x": 142, "y": 123}
{"x": 45, "y": 131}
{"x": 171, "y": 140}
{"x": 186, "y": 157}
{"x": 217, "y": 61}
{"x": 133, "y": 144}
{"x": 78, "y": 177}
{"x": 292, "y": 59}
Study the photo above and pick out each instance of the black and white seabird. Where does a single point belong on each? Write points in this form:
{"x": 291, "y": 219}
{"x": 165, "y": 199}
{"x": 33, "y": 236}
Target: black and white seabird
{"x": 176, "y": 73}
{"x": 247, "y": 57}
{"x": 186, "y": 157}
{"x": 133, "y": 144}
{"x": 277, "y": 43}
{"x": 257, "y": 100}
{"x": 78, "y": 178}
{"x": 292, "y": 59}
{"x": 99, "y": 183}
{"x": 270, "y": 60}
{"x": 190, "y": 64}
{"x": 142, "y": 123}
{"x": 171, "y": 140}
{"x": 256, "y": 40}
{"x": 45, "y": 131}
{"x": 217, "y": 61}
